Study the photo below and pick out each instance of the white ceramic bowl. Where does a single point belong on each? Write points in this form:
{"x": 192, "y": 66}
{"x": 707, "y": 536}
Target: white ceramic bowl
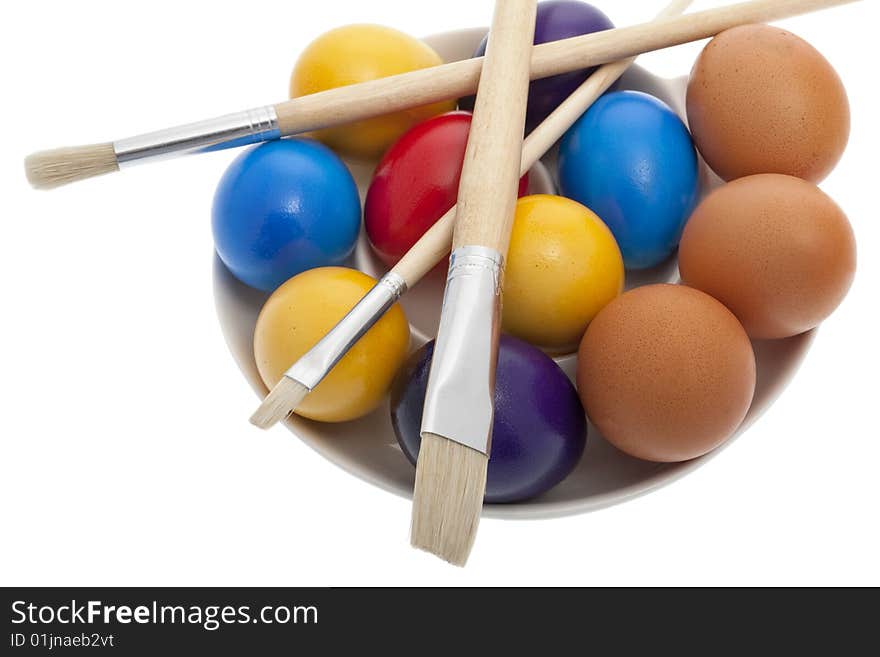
{"x": 367, "y": 447}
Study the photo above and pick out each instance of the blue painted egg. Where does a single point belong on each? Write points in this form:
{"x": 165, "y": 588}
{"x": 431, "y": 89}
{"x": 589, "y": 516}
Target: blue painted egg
{"x": 539, "y": 428}
{"x": 630, "y": 159}
{"x": 282, "y": 208}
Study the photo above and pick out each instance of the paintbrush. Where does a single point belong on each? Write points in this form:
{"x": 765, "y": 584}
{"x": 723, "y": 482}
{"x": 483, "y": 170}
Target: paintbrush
{"x": 457, "y": 419}
{"x": 355, "y": 102}
{"x": 315, "y": 364}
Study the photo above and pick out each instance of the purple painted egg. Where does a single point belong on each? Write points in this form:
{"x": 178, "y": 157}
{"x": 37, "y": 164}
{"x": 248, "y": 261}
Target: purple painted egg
{"x": 540, "y": 427}
{"x": 556, "y": 19}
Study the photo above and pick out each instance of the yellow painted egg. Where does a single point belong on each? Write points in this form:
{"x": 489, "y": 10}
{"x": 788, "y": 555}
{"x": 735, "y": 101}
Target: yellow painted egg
{"x": 300, "y": 312}
{"x": 563, "y": 267}
{"x": 358, "y": 53}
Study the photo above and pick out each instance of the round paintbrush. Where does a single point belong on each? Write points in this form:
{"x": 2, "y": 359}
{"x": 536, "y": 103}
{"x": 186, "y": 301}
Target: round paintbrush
{"x": 53, "y": 168}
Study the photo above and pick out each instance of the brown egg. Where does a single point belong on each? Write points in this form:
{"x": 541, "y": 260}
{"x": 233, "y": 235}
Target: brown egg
{"x": 762, "y": 100}
{"x": 774, "y": 249}
{"x": 666, "y": 373}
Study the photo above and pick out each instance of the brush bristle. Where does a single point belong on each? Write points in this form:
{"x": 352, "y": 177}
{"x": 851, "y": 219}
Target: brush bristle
{"x": 448, "y": 498}
{"x": 281, "y": 401}
{"x": 48, "y": 169}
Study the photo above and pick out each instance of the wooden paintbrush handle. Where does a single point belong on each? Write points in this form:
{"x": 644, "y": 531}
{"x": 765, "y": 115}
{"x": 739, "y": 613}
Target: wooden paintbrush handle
{"x": 490, "y": 172}
{"x": 429, "y": 85}
{"x": 428, "y": 251}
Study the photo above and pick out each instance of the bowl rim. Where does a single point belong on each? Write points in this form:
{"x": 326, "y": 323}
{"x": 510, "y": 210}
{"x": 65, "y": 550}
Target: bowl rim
{"x": 662, "y": 475}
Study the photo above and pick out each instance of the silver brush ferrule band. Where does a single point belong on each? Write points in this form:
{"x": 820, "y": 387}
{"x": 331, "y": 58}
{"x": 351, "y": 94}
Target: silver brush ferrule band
{"x": 239, "y": 129}
{"x": 320, "y": 359}
{"x": 461, "y": 384}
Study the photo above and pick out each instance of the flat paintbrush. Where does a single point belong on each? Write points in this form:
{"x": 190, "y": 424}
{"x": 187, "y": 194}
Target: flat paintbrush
{"x": 367, "y": 99}
{"x": 315, "y": 364}
{"x": 459, "y": 400}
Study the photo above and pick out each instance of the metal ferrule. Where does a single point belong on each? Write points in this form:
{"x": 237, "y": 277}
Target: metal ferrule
{"x": 320, "y": 359}
{"x": 239, "y": 129}
{"x": 461, "y": 384}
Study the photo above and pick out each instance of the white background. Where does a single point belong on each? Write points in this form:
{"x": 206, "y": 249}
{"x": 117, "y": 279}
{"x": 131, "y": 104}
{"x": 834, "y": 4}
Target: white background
{"x": 127, "y": 457}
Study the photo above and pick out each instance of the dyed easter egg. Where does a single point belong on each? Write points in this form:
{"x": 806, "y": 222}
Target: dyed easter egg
{"x": 556, "y": 19}
{"x": 416, "y": 183}
{"x": 774, "y": 249}
{"x": 301, "y": 312}
{"x": 762, "y": 100}
{"x": 283, "y": 207}
{"x": 563, "y": 267}
{"x": 630, "y": 159}
{"x": 539, "y": 426}
{"x": 666, "y": 373}
{"x": 359, "y": 53}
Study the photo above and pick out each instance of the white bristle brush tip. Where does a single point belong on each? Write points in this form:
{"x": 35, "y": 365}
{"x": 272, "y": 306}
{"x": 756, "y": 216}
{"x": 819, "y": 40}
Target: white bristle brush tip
{"x": 281, "y": 401}
{"x": 448, "y": 498}
{"x": 62, "y": 166}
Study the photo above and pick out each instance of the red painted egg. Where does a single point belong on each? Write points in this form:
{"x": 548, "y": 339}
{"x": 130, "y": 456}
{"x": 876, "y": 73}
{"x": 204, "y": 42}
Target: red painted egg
{"x": 415, "y": 183}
